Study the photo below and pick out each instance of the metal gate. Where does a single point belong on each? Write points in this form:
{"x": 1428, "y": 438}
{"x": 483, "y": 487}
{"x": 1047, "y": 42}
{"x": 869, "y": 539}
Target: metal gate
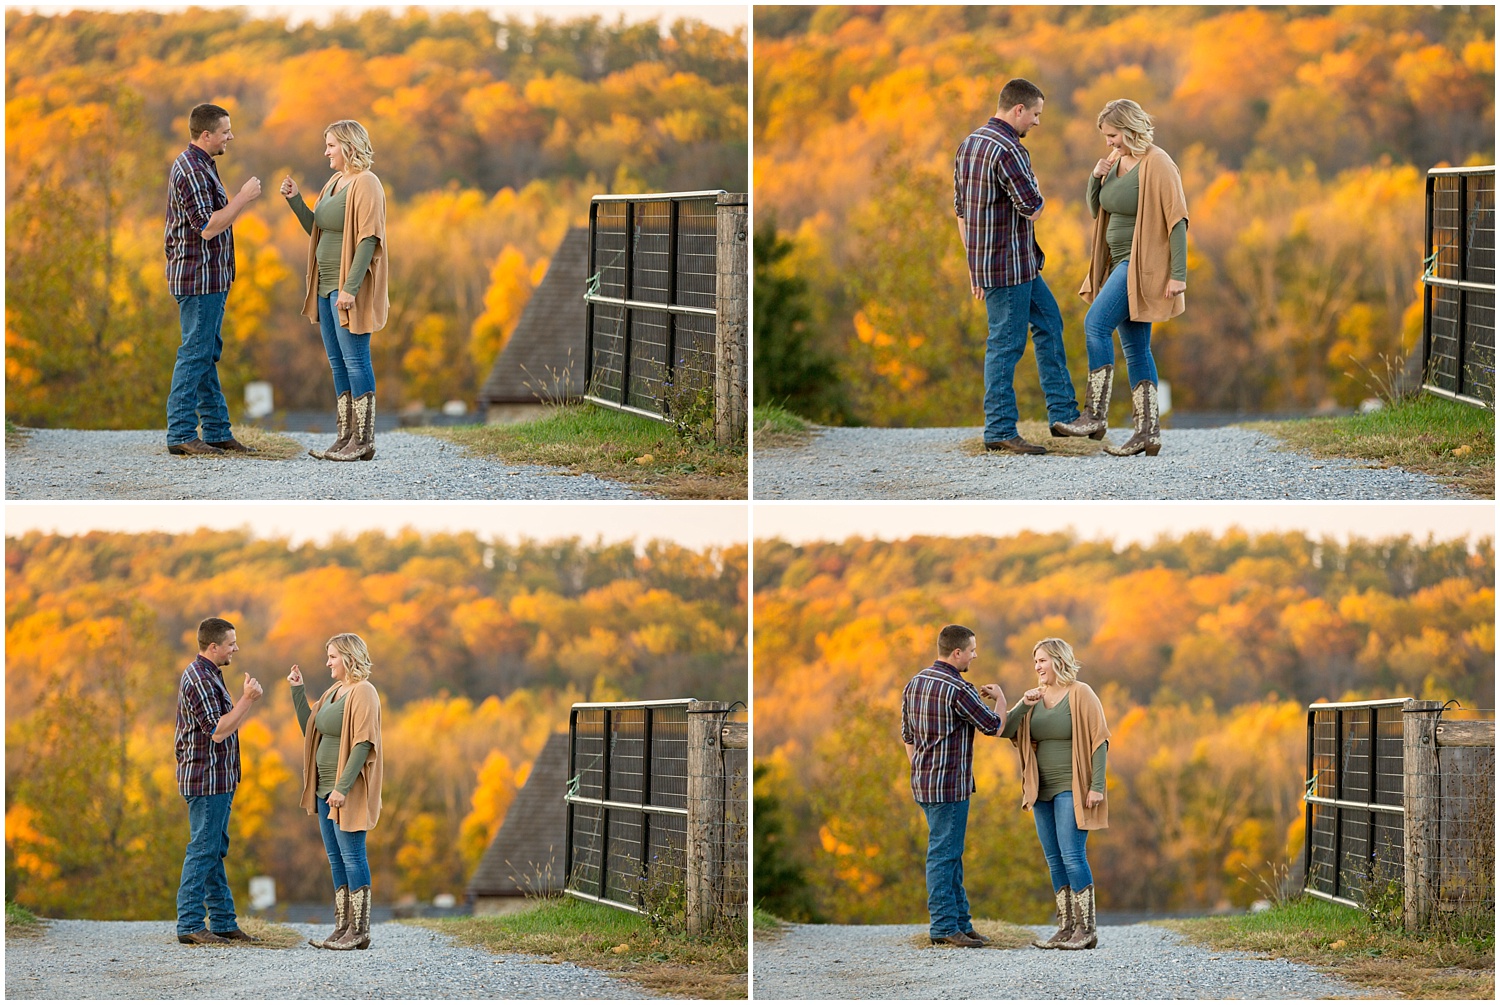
{"x": 651, "y": 300}
{"x": 1458, "y": 314}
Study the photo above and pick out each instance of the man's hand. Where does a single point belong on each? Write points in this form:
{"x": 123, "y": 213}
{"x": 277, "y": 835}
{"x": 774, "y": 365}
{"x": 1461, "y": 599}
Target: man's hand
{"x": 1093, "y": 799}
{"x": 1035, "y": 216}
{"x": 252, "y": 689}
{"x": 289, "y": 187}
{"x": 335, "y": 799}
{"x": 295, "y": 677}
{"x": 1033, "y": 696}
{"x": 1175, "y": 287}
{"x": 250, "y": 191}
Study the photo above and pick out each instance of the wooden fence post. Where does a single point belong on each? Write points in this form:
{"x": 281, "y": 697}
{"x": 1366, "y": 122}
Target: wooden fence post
{"x": 732, "y": 337}
{"x": 1419, "y": 769}
{"x": 704, "y": 806}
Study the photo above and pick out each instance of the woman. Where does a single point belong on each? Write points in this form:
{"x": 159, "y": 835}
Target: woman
{"x": 347, "y": 271}
{"x": 342, "y": 765}
{"x": 1060, "y": 731}
{"x": 1138, "y": 272}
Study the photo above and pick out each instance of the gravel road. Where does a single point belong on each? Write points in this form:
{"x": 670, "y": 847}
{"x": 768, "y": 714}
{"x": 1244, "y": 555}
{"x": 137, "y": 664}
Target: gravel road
{"x": 1132, "y": 962}
{"x": 1223, "y": 463}
{"x": 143, "y": 959}
{"x": 134, "y": 464}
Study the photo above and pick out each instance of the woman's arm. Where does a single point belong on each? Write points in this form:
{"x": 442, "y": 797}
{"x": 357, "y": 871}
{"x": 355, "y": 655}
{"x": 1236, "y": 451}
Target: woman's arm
{"x": 353, "y": 767}
{"x": 1013, "y": 718}
{"x": 299, "y": 702}
{"x": 304, "y": 215}
{"x": 1096, "y": 185}
{"x": 1178, "y": 241}
{"x": 360, "y": 267}
{"x": 1100, "y": 754}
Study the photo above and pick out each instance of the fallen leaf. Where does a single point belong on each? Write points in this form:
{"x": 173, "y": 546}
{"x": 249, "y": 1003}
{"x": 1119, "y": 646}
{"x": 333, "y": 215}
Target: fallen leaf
{"x": 1463, "y": 451}
{"x": 621, "y": 948}
{"x": 644, "y": 459}
{"x": 1337, "y": 945}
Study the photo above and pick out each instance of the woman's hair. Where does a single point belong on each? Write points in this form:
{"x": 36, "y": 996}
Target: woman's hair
{"x": 354, "y": 142}
{"x": 1064, "y": 663}
{"x": 1137, "y": 128}
{"x": 356, "y": 655}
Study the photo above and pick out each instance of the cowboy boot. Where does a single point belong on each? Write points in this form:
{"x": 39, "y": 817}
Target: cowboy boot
{"x": 357, "y": 936}
{"x": 1065, "y": 919}
{"x": 361, "y": 445}
{"x": 1085, "y": 933}
{"x": 1094, "y": 421}
{"x": 345, "y": 413}
{"x": 340, "y": 918}
{"x": 1147, "y": 437}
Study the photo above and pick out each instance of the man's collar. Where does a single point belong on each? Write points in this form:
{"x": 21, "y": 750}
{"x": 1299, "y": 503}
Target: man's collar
{"x": 941, "y": 665}
{"x": 1000, "y": 123}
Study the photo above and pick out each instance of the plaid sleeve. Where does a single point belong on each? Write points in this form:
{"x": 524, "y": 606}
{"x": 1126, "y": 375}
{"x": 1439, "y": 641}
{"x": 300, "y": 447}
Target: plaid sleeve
{"x": 198, "y": 704}
{"x": 196, "y": 196}
{"x": 907, "y": 736}
{"x": 968, "y": 705}
{"x": 1018, "y": 181}
{"x": 958, "y": 189}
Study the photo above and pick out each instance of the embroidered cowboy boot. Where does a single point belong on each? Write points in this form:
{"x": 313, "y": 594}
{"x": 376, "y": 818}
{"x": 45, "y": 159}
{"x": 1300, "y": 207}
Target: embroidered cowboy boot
{"x": 345, "y": 414}
{"x": 1147, "y": 437}
{"x": 1094, "y": 420}
{"x": 357, "y": 936}
{"x": 1085, "y": 933}
{"x": 361, "y": 445}
{"x": 1065, "y": 919}
{"x": 340, "y": 918}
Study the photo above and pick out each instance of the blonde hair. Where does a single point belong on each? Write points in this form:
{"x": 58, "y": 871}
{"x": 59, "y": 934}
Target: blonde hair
{"x": 355, "y": 653}
{"x": 1064, "y": 663}
{"x": 354, "y": 141}
{"x": 1136, "y": 127}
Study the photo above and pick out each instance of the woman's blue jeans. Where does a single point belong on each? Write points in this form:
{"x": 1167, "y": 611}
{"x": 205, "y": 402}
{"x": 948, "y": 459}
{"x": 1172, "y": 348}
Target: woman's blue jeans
{"x": 1110, "y": 312}
{"x": 1062, "y": 842}
{"x": 348, "y": 354}
{"x": 346, "y": 852}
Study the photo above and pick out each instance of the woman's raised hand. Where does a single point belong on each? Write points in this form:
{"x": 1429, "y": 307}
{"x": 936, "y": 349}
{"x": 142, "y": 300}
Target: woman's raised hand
{"x": 295, "y": 677}
{"x": 1106, "y": 163}
{"x": 289, "y": 187}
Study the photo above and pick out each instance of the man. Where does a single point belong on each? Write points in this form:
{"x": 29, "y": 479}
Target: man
{"x": 997, "y": 201}
{"x": 200, "y": 269}
{"x": 208, "y": 771}
{"x": 939, "y": 713}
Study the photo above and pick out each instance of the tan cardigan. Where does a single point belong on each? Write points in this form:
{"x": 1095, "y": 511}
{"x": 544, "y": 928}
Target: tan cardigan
{"x": 361, "y": 807}
{"x": 1163, "y": 203}
{"x": 1089, "y": 731}
{"x": 364, "y": 216}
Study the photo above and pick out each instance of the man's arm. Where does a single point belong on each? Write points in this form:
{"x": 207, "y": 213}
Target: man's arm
{"x": 1019, "y": 184}
{"x": 232, "y": 719}
{"x": 970, "y": 706}
{"x": 223, "y": 219}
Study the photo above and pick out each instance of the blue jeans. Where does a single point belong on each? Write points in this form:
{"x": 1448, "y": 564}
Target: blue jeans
{"x": 1062, "y": 842}
{"x": 1010, "y": 309}
{"x": 948, "y": 905}
{"x": 1109, "y": 312}
{"x": 348, "y": 354}
{"x": 195, "y": 393}
{"x": 346, "y": 851}
{"x": 203, "y": 879}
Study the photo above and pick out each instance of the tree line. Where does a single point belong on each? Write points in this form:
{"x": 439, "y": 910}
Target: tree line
{"x": 1205, "y": 650}
{"x": 490, "y": 134}
{"x": 479, "y": 649}
{"x": 1303, "y": 135}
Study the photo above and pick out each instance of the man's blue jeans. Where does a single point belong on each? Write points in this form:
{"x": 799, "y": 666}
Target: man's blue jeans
{"x": 196, "y": 395}
{"x": 1062, "y": 842}
{"x": 1109, "y": 312}
{"x": 346, "y": 852}
{"x": 1010, "y": 310}
{"x": 948, "y": 905}
{"x": 348, "y": 354}
{"x": 203, "y": 878}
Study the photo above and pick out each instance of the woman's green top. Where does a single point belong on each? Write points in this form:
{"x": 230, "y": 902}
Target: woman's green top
{"x": 1120, "y": 197}
{"x": 1052, "y": 731}
{"x": 329, "y": 216}
{"x": 330, "y": 723}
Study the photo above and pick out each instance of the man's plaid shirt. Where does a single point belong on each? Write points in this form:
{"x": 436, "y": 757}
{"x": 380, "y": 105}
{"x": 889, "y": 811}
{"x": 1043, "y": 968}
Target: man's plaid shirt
{"x": 939, "y": 713}
{"x": 194, "y": 194}
{"x": 205, "y": 768}
{"x": 992, "y": 188}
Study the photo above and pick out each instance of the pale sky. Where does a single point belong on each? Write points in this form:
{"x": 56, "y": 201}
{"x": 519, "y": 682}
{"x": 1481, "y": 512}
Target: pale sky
{"x": 726, "y": 17}
{"x": 693, "y": 524}
{"x": 1119, "y": 521}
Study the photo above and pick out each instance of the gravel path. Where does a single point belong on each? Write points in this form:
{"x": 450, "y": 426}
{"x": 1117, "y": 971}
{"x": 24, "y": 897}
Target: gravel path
{"x": 1132, "y": 961}
{"x": 1223, "y": 463}
{"x": 134, "y": 464}
{"x": 143, "y": 959}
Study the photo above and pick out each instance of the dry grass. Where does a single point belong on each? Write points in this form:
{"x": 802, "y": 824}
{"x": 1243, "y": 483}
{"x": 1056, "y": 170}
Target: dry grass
{"x": 617, "y": 942}
{"x": 1002, "y": 935}
{"x": 1345, "y": 942}
{"x": 1041, "y": 433}
{"x": 270, "y": 934}
{"x": 21, "y": 923}
{"x": 268, "y": 446}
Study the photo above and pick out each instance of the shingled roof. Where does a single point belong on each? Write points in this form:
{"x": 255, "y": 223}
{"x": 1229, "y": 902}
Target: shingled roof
{"x": 551, "y": 325}
{"x": 527, "y": 854}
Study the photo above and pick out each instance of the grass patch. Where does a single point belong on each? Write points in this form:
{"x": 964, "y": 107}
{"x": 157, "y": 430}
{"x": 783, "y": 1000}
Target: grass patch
{"x": 774, "y": 426}
{"x": 1344, "y": 941}
{"x": 618, "y": 942}
{"x": 19, "y": 921}
{"x": 1041, "y": 432}
{"x": 268, "y": 446}
{"x": 768, "y": 927}
{"x": 270, "y": 934}
{"x": 1452, "y": 442}
{"x": 1002, "y": 935}
{"x": 586, "y": 439}
{"x": 15, "y": 436}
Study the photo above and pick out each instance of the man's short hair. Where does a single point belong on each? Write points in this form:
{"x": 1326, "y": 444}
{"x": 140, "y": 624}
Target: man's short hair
{"x": 205, "y": 118}
{"x": 1020, "y": 91}
{"x": 953, "y": 637}
{"x": 211, "y": 631}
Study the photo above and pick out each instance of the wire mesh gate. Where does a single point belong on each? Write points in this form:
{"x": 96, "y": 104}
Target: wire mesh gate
{"x": 652, "y": 299}
{"x": 1458, "y": 315}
